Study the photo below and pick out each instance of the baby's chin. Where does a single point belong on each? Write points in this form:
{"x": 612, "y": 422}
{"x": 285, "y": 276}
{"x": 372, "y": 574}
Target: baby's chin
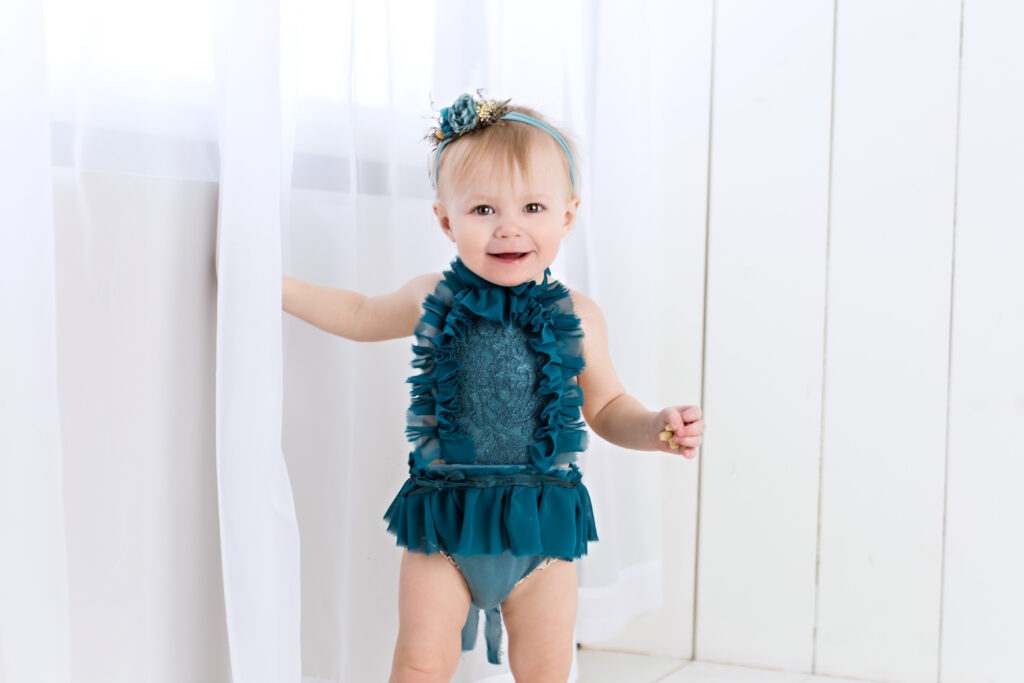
{"x": 507, "y": 270}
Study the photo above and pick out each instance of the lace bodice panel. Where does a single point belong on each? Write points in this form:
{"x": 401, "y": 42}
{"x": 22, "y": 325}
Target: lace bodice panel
{"x": 498, "y": 406}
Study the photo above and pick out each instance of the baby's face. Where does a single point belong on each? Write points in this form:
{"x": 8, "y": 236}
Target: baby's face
{"x": 508, "y": 228}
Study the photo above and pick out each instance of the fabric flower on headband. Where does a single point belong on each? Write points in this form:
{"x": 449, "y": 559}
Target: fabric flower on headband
{"x": 466, "y": 114}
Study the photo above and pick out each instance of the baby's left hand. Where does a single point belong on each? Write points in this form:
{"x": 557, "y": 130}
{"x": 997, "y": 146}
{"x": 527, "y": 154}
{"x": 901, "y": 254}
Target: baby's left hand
{"x": 681, "y": 426}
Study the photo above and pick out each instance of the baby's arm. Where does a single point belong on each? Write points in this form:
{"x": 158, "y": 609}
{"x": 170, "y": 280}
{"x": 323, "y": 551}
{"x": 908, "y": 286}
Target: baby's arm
{"x": 613, "y": 414}
{"x": 356, "y": 316}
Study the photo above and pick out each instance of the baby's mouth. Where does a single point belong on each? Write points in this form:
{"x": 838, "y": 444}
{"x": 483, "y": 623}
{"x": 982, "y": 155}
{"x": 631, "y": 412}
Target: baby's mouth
{"x": 511, "y": 256}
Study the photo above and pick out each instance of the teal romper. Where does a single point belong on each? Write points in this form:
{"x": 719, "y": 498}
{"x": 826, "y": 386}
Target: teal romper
{"x": 495, "y": 427}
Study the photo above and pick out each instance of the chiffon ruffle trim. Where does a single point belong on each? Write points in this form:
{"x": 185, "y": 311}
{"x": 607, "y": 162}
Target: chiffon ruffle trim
{"x": 551, "y": 520}
{"x": 544, "y": 310}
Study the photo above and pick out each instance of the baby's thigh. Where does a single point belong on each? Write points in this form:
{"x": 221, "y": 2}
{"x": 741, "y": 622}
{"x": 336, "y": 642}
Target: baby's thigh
{"x": 433, "y": 601}
{"x": 540, "y": 614}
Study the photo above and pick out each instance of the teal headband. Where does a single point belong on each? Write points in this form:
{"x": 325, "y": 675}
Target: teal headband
{"x": 467, "y": 114}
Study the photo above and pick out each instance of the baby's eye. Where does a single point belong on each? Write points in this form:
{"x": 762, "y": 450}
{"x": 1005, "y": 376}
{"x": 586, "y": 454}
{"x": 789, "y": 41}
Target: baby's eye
{"x": 483, "y": 210}
{"x": 533, "y": 207}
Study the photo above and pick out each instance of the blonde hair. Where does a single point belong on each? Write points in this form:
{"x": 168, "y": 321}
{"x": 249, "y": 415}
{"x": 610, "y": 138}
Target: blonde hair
{"x": 502, "y": 141}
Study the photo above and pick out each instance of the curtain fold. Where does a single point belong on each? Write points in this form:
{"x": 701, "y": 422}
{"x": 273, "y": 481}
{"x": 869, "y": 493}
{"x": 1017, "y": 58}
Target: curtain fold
{"x": 259, "y": 533}
{"x": 34, "y": 628}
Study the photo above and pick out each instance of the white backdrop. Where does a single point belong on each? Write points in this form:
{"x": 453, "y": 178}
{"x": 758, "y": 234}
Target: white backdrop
{"x": 841, "y": 179}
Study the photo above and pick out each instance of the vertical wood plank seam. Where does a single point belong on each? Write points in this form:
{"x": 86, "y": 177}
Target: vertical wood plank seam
{"x": 704, "y": 325}
{"x": 824, "y": 339}
{"x": 949, "y": 346}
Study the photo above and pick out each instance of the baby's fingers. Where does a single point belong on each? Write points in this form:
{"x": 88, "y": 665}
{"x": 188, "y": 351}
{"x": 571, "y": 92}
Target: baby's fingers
{"x": 695, "y": 428}
{"x": 688, "y": 441}
{"x": 681, "y": 415}
{"x": 682, "y": 430}
{"x": 690, "y": 414}
{"x": 688, "y": 438}
{"x": 685, "y": 447}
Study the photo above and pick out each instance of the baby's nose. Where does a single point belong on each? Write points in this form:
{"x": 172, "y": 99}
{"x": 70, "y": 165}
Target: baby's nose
{"x": 508, "y": 228}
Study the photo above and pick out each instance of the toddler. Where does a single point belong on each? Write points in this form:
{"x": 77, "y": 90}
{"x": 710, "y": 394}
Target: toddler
{"x": 494, "y": 511}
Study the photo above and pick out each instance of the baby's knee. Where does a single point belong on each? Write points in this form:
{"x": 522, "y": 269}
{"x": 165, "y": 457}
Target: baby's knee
{"x": 414, "y": 664}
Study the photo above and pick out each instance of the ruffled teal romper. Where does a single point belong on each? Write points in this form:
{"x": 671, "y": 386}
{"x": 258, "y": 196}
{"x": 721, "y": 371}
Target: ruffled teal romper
{"x": 495, "y": 426}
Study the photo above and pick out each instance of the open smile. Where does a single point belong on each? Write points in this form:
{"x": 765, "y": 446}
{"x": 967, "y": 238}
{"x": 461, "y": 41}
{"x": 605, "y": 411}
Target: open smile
{"x": 510, "y": 256}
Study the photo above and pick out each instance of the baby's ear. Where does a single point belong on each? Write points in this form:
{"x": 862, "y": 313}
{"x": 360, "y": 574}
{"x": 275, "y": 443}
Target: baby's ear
{"x": 570, "y": 213}
{"x": 442, "y": 218}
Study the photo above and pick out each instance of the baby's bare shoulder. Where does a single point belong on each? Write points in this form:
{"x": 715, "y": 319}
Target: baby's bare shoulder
{"x": 589, "y": 313}
{"x": 420, "y": 286}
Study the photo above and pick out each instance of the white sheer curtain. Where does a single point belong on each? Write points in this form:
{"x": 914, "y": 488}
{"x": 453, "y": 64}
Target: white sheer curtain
{"x": 181, "y": 516}
{"x": 33, "y": 560}
{"x": 258, "y": 531}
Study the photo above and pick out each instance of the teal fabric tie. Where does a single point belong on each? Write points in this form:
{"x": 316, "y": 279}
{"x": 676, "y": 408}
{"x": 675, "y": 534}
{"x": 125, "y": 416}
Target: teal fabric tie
{"x": 492, "y": 632}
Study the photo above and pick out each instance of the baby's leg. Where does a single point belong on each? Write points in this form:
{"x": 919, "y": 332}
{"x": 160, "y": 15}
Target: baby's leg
{"x": 539, "y": 616}
{"x": 433, "y": 601}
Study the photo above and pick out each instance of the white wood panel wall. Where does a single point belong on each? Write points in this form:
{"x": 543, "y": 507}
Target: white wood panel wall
{"x": 893, "y": 170}
{"x": 765, "y": 310}
{"x": 880, "y": 238}
{"x": 983, "y": 601}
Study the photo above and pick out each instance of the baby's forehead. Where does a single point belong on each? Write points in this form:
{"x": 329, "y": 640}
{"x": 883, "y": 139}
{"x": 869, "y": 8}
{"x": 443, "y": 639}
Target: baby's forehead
{"x": 499, "y": 182}
{"x": 539, "y": 163}
{"x": 498, "y": 151}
